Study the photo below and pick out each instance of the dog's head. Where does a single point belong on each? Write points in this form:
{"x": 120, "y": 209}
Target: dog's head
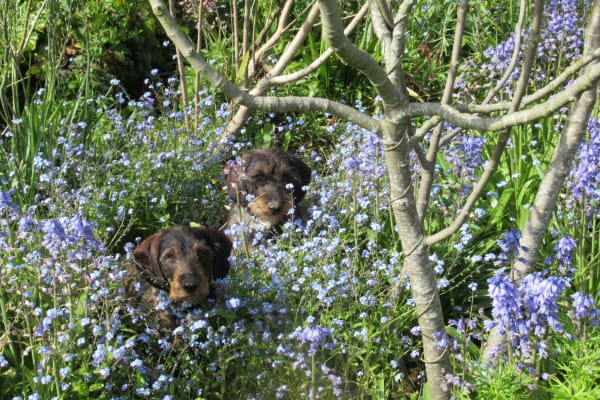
{"x": 184, "y": 261}
{"x": 267, "y": 181}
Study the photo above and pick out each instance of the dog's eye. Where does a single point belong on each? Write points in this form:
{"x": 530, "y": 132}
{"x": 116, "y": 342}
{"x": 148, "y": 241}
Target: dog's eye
{"x": 170, "y": 256}
{"x": 259, "y": 176}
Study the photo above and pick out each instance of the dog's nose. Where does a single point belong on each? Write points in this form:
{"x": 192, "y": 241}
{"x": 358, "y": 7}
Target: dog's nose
{"x": 274, "y": 207}
{"x": 189, "y": 282}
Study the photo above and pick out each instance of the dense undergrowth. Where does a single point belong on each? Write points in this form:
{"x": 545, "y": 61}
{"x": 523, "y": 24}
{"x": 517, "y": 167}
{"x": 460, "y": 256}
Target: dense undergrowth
{"x": 323, "y": 312}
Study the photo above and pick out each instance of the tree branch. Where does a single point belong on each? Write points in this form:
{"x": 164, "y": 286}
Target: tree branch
{"x": 273, "y": 78}
{"x": 456, "y": 116}
{"x": 239, "y": 118}
{"x": 282, "y": 27}
{"x": 313, "y": 66}
{"x": 359, "y": 59}
{"x": 382, "y": 21}
{"x": 560, "y": 81}
{"x": 428, "y": 168}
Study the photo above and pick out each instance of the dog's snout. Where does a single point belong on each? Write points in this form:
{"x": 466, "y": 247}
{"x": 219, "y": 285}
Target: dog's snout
{"x": 189, "y": 282}
{"x": 274, "y": 207}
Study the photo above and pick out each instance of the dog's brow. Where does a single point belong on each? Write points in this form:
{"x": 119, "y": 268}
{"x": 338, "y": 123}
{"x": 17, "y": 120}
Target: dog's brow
{"x": 260, "y": 168}
{"x": 202, "y": 245}
{"x": 172, "y": 250}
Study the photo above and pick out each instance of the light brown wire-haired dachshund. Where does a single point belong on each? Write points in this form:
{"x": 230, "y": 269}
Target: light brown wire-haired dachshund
{"x": 179, "y": 264}
{"x": 263, "y": 186}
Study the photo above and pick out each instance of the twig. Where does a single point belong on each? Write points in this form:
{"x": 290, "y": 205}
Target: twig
{"x": 428, "y": 169}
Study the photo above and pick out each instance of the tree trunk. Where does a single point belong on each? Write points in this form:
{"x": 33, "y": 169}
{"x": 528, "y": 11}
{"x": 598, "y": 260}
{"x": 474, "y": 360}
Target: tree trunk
{"x": 416, "y": 258}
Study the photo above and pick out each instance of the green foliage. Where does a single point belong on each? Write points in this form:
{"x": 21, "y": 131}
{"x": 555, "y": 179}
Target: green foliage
{"x": 577, "y": 368}
{"x": 503, "y": 381}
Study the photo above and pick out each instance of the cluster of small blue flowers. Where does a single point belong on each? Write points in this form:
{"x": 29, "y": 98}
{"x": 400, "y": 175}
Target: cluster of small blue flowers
{"x": 345, "y": 255}
{"x": 118, "y": 169}
{"x": 72, "y": 290}
{"x": 356, "y": 179}
{"x": 61, "y": 289}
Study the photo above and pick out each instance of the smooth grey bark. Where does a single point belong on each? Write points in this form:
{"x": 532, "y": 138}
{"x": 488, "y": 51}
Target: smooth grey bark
{"x": 553, "y": 180}
{"x": 416, "y": 257}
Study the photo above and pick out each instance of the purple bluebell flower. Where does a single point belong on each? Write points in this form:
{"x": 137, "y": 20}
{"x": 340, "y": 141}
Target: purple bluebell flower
{"x": 505, "y": 307}
{"x": 510, "y": 243}
{"x": 540, "y": 298}
{"x": 564, "y": 252}
{"x": 6, "y": 202}
{"x": 584, "y": 306}
{"x": 314, "y": 335}
{"x": 584, "y": 178}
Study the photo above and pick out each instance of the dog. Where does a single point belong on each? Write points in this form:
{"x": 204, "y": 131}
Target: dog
{"x": 263, "y": 186}
{"x": 179, "y": 264}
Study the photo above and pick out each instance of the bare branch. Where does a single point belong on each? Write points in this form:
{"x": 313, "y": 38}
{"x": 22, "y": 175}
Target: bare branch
{"x": 391, "y": 34}
{"x": 282, "y": 27}
{"x": 560, "y": 81}
{"x": 236, "y": 45}
{"x": 382, "y": 21}
{"x": 382, "y": 10}
{"x": 182, "y": 77}
{"x": 296, "y": 43}
{"x": 428, "y": 168}
{"x": 469, "y": 121}
{"x": 272, "y": 78}
{"x": 399, "y": 40}
{"x": 200, "y": 22}
{"x": 245, "y": 37}
{"x": 392, "y": 96}
{"x": 238, "y": 120}
{"x": 294, "y": 76}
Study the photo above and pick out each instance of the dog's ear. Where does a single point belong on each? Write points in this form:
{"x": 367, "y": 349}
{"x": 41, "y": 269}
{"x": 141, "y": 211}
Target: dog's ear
{"x": 304, "y": 173}
{"x": 146, "y": 257}
{"x": 222, "y": 246}
{"x": 234, "y": 173}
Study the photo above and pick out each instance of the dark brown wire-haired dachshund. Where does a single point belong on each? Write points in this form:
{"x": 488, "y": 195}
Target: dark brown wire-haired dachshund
{"x": 179, "y": 264}
{"x": 263, "y": 186}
